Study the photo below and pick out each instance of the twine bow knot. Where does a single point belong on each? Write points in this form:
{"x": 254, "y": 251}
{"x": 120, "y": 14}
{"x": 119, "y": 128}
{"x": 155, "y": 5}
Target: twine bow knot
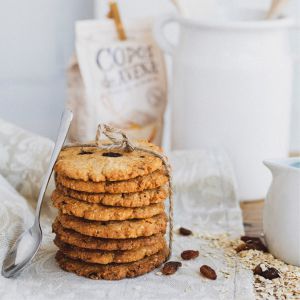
{"x": 118, "y": 138}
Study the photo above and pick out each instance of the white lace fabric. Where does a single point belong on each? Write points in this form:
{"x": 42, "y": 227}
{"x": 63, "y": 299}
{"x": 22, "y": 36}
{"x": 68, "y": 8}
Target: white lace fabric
{"x": 205, "y": 201}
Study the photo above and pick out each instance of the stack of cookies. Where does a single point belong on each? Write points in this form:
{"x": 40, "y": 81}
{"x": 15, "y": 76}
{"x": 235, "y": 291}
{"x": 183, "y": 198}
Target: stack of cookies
{"x": 112, "y": 220}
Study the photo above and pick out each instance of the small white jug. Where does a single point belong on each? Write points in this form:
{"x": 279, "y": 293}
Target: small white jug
{"x": 281, "y": 221}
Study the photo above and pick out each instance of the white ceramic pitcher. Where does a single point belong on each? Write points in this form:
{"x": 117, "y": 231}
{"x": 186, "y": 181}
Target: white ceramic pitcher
{"x": 281, "y": 221}
{"x": 231, "y": 87}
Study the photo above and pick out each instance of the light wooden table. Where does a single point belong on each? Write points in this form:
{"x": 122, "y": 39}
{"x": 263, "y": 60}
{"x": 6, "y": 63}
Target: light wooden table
{"x": 252, "y": 216}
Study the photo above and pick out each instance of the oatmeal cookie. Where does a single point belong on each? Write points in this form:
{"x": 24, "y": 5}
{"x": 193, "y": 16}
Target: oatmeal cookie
{"x": 116, "y": 229}
{"x": 140, "y": 183}
{"x": 99, "y": 212}
{"x": 137, "y": 199}
{"x": 112, "y": 271}
{"x": 94, "y": 164}
{"x": 108, "y": 257}
{"x": 72, "y": 237}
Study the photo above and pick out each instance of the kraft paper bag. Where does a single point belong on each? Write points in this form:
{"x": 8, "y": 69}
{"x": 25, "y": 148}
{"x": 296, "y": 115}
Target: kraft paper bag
{"x": 122, "y": 83}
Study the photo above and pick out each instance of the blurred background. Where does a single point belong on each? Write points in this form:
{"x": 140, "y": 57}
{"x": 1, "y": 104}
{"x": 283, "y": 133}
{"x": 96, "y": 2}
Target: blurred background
{"x": 38, "y": 39}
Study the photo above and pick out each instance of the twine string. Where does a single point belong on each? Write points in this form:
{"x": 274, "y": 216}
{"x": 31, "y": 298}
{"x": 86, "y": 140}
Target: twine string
{"x": 120, "y": 141}
{"x": 118, "y": 138}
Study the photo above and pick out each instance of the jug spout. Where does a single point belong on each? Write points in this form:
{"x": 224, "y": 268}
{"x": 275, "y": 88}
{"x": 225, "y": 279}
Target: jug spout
{"x": 276, "y": 166}
{"x": 273, "y": 166}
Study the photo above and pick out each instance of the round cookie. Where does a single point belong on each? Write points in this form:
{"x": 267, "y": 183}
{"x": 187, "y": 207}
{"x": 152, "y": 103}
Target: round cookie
{"x": 116, "y": 229}
{"x": 72, "y": 237}
{"x": 112, "y": 271}
{"x": 108, "y": 257}
{"x": 138, "y": 184}
{"x": 98, "y": 212}
{"x": 137, "y": 199}
{"x": 92, "y": 163}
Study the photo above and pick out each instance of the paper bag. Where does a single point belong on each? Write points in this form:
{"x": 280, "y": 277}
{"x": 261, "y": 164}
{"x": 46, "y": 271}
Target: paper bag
{"x": 122, "y": 83}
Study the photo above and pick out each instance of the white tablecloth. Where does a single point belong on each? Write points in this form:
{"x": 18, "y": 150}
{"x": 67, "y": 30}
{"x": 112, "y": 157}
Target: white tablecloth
{"x": 205, "y": 202}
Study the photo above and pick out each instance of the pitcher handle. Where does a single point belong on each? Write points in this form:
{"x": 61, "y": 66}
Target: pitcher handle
{"x": 159, "y": 34}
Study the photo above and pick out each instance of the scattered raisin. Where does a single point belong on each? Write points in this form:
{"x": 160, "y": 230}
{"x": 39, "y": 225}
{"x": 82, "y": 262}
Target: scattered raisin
{"x": 185, "y": 231}
{"x": 257, "y": 270}
{"x": 254, "y": 243}
{"x": 246, "y": 238}
{"x": 269, "y": 273}
{"x": 171, "y": 267}
{"x": 112, "y": 154}
{"x": 189, "y": 254}
{"x": 208, "y": 272}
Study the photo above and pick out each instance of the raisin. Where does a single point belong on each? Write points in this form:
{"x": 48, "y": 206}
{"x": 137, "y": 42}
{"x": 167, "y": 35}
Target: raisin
{"x": 254, "y": 243}
{"x": 208, "y": 272}
{"x": 269, "y": 273}
{"x": 171, "y": 267}
{"x": 257, "y": 246}
{"x": 246, "y": 238}
{"x": 257, "y": 270}
{"x": 184, "y": 231}
{"x": 189, "y": 254}
{"x": 111, "y": 154}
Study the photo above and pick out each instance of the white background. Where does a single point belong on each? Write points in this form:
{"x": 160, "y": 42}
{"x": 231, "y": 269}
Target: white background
{"x": 36, "y": 41}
